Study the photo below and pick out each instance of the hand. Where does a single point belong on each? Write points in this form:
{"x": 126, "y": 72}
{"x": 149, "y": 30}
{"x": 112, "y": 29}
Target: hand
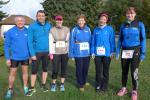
{"x": 33, "y": 58}
{"x": 51, "y": 56}
{"x": 30, "y": 61}
{"x": 8, "y": 62}
{"x": 93, "y": 56}
{"x": 72, "y": 59}
{"x": 112, "y": 55}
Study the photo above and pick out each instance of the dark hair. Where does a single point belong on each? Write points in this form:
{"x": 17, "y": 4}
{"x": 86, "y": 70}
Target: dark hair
{"x": 130, "y": 10}
{"x": 104, "y": 14}
{"x": 40, "y": 11}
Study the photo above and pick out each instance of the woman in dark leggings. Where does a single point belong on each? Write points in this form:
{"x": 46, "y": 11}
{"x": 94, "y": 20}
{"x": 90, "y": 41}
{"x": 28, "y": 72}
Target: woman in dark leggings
{"x": 102, "y": 49}
{"x": 132, "y": 40}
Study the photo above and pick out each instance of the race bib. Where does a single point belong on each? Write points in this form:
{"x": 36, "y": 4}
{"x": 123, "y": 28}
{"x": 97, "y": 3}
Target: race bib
{"x": 84, "y": 46}
{"x": 60, "y": 44}
{"x": 127, "y": 53}
{"x": 100, "y": 50}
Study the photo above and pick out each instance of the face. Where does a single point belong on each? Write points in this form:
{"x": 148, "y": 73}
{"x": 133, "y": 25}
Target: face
{"x": 81, "y": 22}
{"x": 20, "y": 21}
{"x": 131, "y": 15}
{"x": 102, "y": 20}
{"x": 41, "y": 17}
{"x": 59, "y": 23}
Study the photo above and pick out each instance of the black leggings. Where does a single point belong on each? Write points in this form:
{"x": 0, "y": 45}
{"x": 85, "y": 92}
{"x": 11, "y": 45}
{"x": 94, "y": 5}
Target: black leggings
{"x": 133, "y": 64}
{"x": 102, "y": 71}
{"x": 60, "y": 60}
{"x": 42, "y": 56}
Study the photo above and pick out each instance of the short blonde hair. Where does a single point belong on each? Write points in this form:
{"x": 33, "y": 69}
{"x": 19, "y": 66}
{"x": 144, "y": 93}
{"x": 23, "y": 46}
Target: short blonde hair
{"x": 81, "y": 16}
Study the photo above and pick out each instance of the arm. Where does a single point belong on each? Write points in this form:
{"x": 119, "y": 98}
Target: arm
{"x": 51, "y": 44}
{"x": 119, "y": 44}
{"x": 67, "y": 39}
{"x": 93, "y": 42}
{"x": 7, "y": 44}
{"x": 30, "y": 41}
{"x": 112, "y": 42}
{"x": 71, "y": 43}
{"x": 142, "y": 41}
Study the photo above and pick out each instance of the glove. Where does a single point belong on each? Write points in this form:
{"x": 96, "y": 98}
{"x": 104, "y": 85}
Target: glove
{"x": 51, "y": 56}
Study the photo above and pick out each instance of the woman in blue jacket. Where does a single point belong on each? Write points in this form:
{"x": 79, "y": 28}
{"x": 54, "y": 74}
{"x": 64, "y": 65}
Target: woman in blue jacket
{"x": 132, "y": 40}
{"x": 79, "y": 49}
{"x": 102, "y": 49}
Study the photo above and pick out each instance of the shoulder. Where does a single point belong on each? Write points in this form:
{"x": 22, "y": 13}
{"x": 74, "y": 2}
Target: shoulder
{"x": 141, "y": 24}
{"x": 48, "y": 24}
{"x": 66, "y": 28}
{"x": 74, "y": 28}
{"x": 32, "y": 25}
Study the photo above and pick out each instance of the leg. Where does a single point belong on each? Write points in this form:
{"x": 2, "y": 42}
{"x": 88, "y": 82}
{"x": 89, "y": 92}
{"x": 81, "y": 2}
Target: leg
{"x": 25, "y": 72}
{"x": 64, "y": 61}
{"x": 79, "y": 68}
{"x": 134, "y": 68}
{"x": 55, "y": 67}
{"x": 125, "y": 69}
{"x": 35, "y": 64}
{"x": 12, "y": 74}
{"x": 98, "y": 68}
{"x": 106, "y": 65}
{"x": 86, "y": 62}
{"x": 44, "y": 66}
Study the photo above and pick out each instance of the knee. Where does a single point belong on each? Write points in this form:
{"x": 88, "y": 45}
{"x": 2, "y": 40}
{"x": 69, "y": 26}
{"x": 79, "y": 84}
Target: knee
{"x": 54, "y": 75}
{"x": 44, "y": 69}
{"x": 34, "y": 71}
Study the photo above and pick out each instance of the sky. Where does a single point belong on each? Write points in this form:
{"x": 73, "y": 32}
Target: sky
{"x": 23, "y": 7}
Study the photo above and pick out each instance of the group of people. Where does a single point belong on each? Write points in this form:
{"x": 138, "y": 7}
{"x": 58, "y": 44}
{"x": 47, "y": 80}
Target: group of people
{"x": 42, "y": 42}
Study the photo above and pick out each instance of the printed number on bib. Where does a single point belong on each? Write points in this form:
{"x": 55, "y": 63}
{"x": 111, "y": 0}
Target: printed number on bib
{"x": 84, "y": 46}
{"x": 60, "y": 44}
{"x": 100, "y": 50}
{"x": 127, "y": 53}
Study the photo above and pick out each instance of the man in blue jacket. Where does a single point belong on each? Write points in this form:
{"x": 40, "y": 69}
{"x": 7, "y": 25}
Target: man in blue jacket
{"x": 16, "y": 52}
{"x": 39, "y": 49}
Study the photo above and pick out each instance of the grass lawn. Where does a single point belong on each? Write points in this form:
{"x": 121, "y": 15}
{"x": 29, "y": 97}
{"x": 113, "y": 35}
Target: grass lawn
{"x": 72, "y": 93}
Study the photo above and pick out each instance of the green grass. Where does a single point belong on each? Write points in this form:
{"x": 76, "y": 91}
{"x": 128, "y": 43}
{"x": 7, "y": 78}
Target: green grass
{"x": 72, "y": 93}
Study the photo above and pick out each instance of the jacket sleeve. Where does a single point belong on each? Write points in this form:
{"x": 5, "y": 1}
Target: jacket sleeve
{"x": 112, "y": 41}
{"x": 51, "y": 44}
{"x": 119, "y": 44}
{"x": 142, "y": 41}
{"x": 93, "y": 42}
{"x": 7, "y": 44}
{"x": 71, "y": 43}
{"x": 30, "y": 41}
{"x": 67, "y": 38}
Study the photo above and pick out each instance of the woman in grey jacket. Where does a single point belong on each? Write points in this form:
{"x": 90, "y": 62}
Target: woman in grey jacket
{"x": 58, "y": 49}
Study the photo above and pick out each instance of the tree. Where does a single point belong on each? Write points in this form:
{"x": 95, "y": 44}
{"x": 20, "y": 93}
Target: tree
{"x": 91, "y": 8}
{"x": 69, "y": 9}
{"x": 2, "y": 14}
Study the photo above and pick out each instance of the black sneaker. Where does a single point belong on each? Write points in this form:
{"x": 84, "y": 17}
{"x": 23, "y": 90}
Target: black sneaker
{"x": 31, "y": 92}
{"x": 44, "y": 88}
{"x": 97, "y": 88}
